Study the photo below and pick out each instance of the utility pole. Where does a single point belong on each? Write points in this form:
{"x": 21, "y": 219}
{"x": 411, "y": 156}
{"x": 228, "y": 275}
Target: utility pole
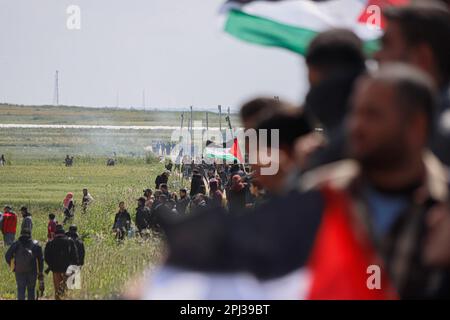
{"x": 56, "y": 89}
{"x": 220, "y": 117}
{"x": 192, "y": 136}
{"x": 143, "y": 99}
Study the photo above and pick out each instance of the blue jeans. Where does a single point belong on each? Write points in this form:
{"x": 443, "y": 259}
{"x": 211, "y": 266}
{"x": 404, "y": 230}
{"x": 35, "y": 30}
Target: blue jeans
{"x": 26, "y": 282}
{"x": 8, "y": 238}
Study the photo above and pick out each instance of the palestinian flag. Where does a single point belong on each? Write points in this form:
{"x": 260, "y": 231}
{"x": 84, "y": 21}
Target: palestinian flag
{"x": 317, "y": 256}
{"x": 292, "y": 24}
{"x": 224, "y": 153}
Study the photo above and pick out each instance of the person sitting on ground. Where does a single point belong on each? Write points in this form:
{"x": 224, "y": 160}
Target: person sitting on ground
{"x": 122, "y": 222}
{"x": 27, "y": 222}
{"x": 72, "y": 234}
{"x": 86, "y": 200}
{"x": 28, "y": 264}
{"x": 51, "y": 226}
{"x": 59, "y": 254}
{"x": 69, "y": 207}
{"x": 9, "y": 225}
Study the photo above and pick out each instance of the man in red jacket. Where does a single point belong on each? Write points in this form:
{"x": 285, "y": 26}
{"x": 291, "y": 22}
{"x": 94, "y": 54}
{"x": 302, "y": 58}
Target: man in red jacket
{"x": 9, "y": 226}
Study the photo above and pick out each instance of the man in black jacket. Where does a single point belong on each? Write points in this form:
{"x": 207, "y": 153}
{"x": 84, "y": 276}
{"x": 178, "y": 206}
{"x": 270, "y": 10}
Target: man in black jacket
{"x": 142, "y": 216}
{"x": 59, "y": 254}
{"x": 122, "y": 222}
{"x": 28, "y": 264}
{"x": 72, "y": 234}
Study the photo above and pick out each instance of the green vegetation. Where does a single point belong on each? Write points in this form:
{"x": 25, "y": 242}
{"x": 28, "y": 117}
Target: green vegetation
{"x": 42, "y": 185}
{"x": 103, "y": 116}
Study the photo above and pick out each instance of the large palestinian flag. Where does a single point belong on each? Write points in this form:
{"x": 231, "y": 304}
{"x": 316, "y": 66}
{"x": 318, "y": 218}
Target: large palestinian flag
{"x": 292, "y": 24}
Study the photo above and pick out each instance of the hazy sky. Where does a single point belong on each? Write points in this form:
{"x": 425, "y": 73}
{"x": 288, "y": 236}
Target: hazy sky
{"x": 175, "y": 50}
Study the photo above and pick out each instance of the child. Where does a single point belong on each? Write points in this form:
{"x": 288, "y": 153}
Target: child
{"x": 51, "y": 227}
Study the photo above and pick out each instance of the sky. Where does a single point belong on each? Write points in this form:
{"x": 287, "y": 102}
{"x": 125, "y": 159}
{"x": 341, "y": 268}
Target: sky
{"x": 174, "y": 50}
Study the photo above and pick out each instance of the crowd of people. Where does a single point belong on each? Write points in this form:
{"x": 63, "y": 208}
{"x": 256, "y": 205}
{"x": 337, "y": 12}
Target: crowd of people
{"x": 26, "y": 257}
{"x": 363, "y": 181}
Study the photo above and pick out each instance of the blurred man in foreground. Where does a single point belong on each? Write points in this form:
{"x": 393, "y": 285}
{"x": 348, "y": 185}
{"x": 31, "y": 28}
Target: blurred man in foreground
{"x": 418, "y": 34}
{"x": 359, "y": 229}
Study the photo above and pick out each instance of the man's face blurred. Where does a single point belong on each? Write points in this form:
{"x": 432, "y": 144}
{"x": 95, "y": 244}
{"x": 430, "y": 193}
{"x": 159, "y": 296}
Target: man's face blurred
{"x": 315, "y": 76}
{"x": 393, "y": 45}
{"x": 377, "y": 129}
{"x": 182, "y": 194}
{"x": 121, "y": 206}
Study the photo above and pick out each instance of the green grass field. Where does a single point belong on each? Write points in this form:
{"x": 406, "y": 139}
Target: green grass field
{"x": 102, "y": 116}
{"x": 42, "y": 185}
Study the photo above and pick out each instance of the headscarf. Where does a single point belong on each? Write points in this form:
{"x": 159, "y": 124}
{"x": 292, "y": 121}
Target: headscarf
{"x": 67, "y": 199}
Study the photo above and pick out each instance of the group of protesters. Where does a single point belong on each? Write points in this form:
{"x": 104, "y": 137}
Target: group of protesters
{"x": 26, "y": 257}
{"x": 363, "y": 181}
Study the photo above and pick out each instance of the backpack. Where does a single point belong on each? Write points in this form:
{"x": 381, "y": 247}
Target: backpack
{"x": 23, "y": 259}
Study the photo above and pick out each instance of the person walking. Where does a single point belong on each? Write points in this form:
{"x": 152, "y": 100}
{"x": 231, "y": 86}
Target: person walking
{"x": 142, "y": 216}
{"x": 51, "y": 226}
{"x": 86, "y": 200}
{"x": 122, "y": 222}
{"x": 25, "y": 257}
{"x": 59, "y": 254}
{"x": 73, "y": 234}
{"x": 27, "y": 222}
{"x": 69, "y": 207}
{"x": 9, "y": 226}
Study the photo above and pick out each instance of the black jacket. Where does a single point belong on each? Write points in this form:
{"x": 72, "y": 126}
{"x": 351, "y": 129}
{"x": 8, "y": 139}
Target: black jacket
{"x": 236, "y": 200}
{"x": 60, "y": 253}
{"x": 160, "y": 180}
{"x": 143, "y": 218}
{"x": 80, "y": 247}
{"x": 196, "y": 183}
{"x": 122, "y": 220}
{"x": 38, "y": 262}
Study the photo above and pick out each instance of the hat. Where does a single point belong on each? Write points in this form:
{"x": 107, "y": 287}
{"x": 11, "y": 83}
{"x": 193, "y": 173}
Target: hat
{"x": 59, "y": 229}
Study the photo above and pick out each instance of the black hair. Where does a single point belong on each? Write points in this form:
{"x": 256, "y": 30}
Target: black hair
{"x": 336, "y": 49}
{"x": 426, "y": 22}
{"x": 290, "y": 126}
